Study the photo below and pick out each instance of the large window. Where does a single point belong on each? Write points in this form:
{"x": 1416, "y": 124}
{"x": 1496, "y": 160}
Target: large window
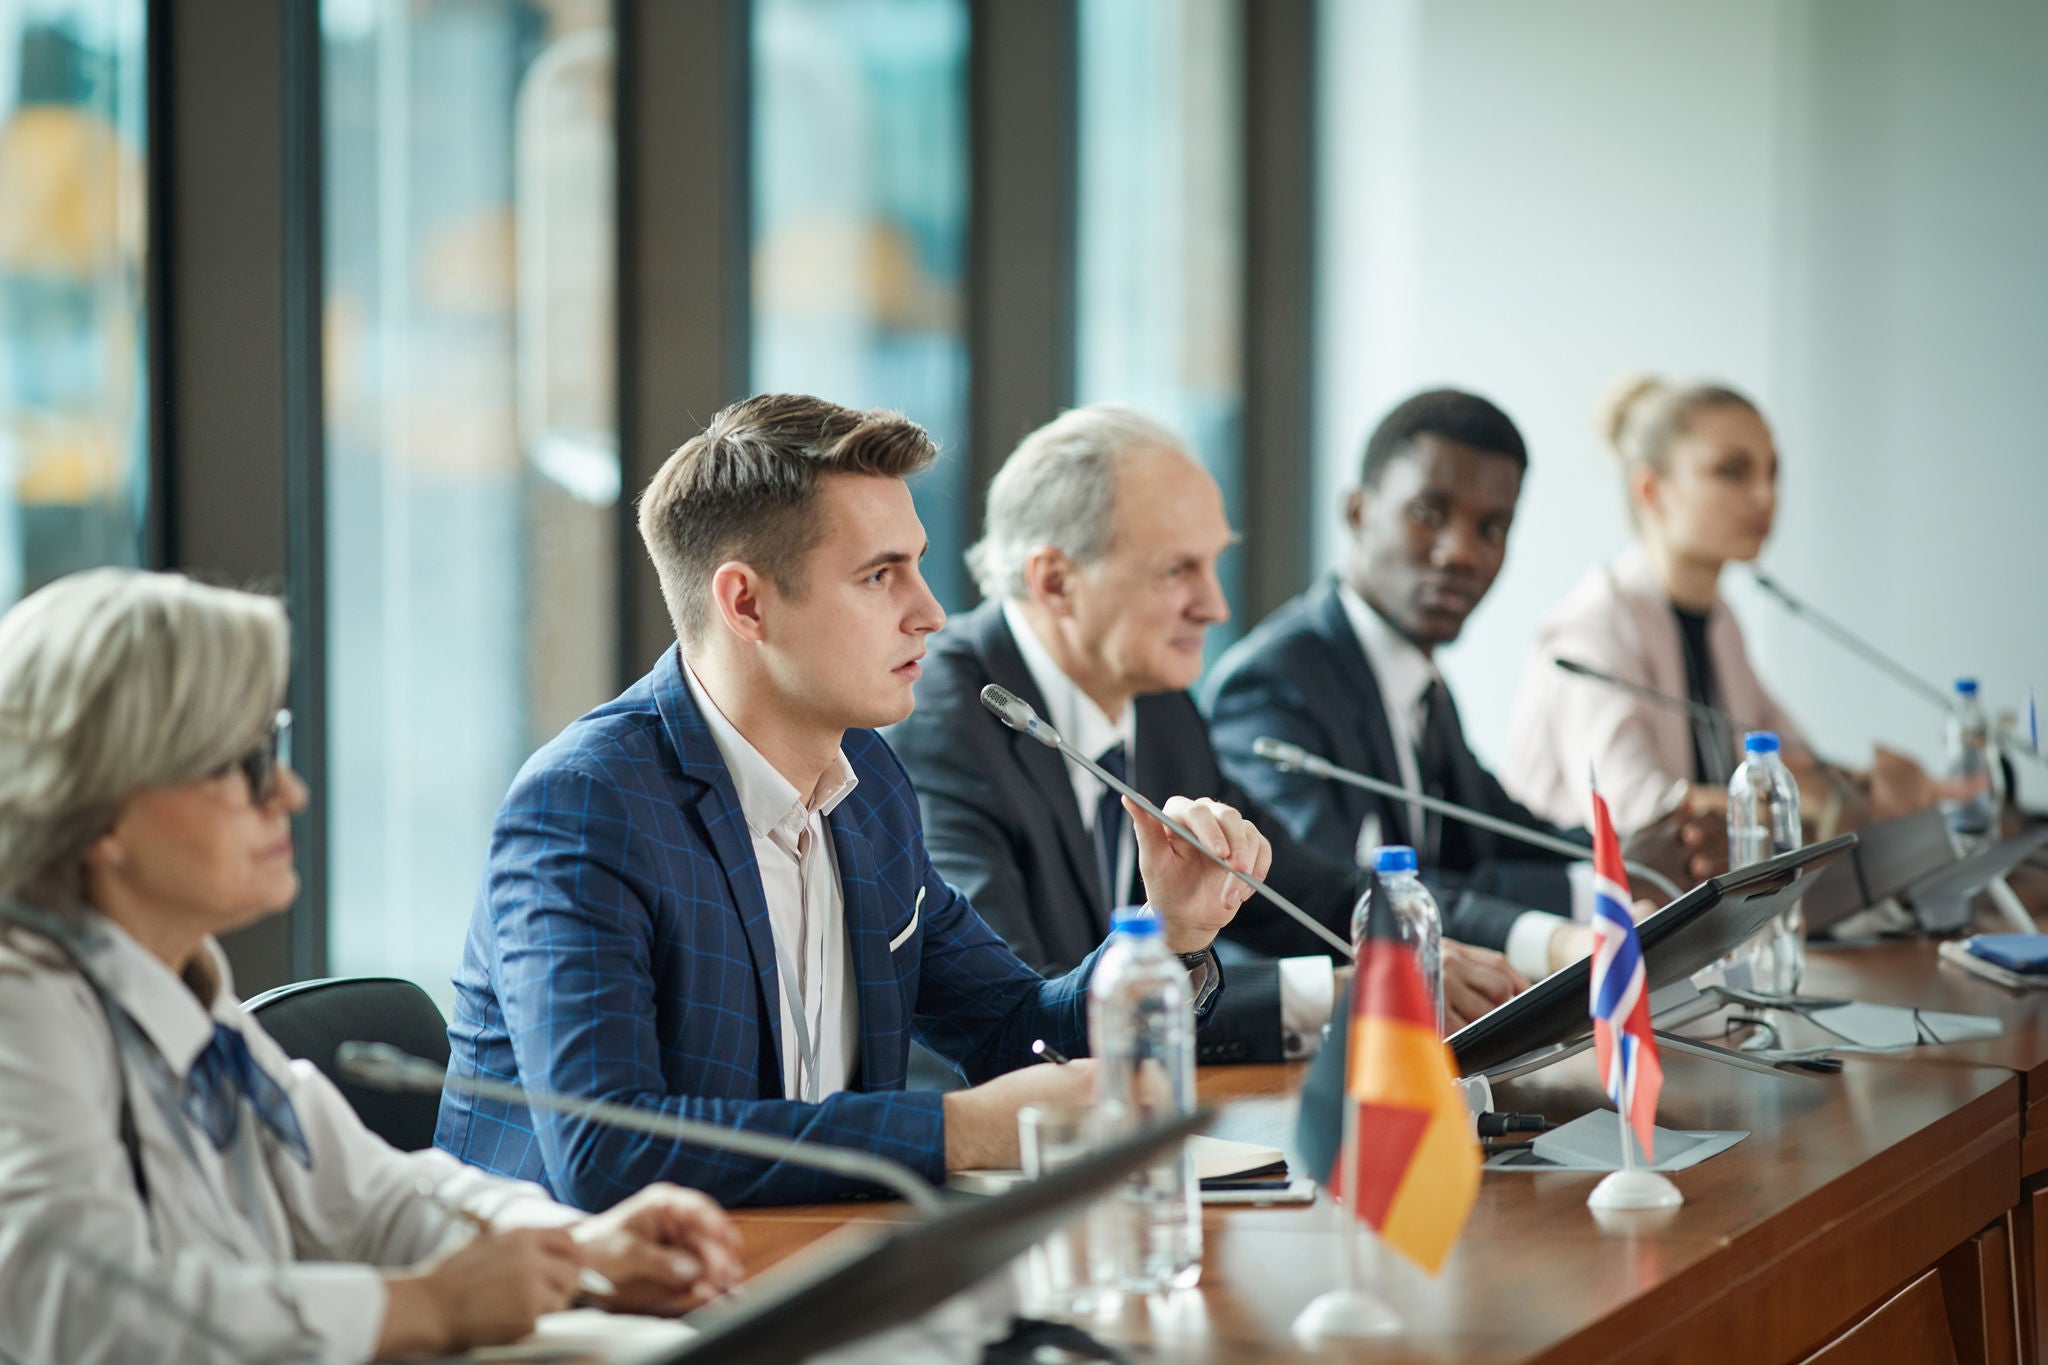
{"x": 472, "y": 464}
{"x": 1159, "y": 236}
{"x": 73, "y": 230}
{"x": 860, "y": 226}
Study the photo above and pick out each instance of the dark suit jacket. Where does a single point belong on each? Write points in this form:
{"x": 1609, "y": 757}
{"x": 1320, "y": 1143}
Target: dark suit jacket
{"x": 1002, "y": 825}
{"x": 620, "y": 948}
{"x": 1302, "y": 677}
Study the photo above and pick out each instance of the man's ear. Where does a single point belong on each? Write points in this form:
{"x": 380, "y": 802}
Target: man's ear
{"x": 1049, "y": 580}
{"x": 1355, "y": 503}
{"x": 738, "y": 598}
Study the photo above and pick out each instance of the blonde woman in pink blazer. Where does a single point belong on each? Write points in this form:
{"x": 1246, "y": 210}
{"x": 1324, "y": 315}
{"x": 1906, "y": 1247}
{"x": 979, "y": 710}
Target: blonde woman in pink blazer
{"x": 1701, "y": 472}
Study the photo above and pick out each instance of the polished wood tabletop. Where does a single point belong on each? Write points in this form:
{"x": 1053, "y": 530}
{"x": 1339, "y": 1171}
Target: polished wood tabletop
{"x": 1848, "y": 1187}
{"x": 1911, "y": 973}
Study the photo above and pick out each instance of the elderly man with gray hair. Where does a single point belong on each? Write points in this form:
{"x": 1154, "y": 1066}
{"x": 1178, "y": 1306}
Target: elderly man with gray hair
{"x": 1099, "y": 566}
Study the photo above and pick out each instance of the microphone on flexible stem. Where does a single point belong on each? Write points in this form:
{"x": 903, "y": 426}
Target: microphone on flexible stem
{"x": 1016, "y": 713}
{"x": 384, "y": 1067}
{"x": 1872, "y": 655}
{"x": 1293, "y": 758}
{"x": 1716, "y": 718}
{"x": 1719, "y": 723}
{"x": 1855, "y": 644}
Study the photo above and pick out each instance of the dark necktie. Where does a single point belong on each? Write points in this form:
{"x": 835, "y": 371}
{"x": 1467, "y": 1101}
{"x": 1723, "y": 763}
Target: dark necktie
{"x": 1433, "y": 764}
{"x": 221, "y": 1078}
{"x": 1109, "y": 825}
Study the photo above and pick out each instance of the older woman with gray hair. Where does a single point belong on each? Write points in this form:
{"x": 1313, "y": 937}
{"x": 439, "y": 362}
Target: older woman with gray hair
{"x": 172, "y": 1187}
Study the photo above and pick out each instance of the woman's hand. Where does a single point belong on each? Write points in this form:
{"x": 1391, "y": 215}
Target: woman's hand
{"x": 667, "y": 1249}
{"x": 486, "y": 1293}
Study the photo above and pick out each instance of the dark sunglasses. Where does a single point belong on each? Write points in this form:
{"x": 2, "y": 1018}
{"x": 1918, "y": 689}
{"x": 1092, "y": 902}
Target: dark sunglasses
{"x": 261, "y": 763}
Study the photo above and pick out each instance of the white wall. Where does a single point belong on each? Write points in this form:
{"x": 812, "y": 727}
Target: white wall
{"x": 1838, "y": 205}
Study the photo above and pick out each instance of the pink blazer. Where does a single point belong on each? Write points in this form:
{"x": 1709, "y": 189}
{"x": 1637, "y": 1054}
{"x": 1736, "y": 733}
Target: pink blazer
{"x": 1618, "y": 620}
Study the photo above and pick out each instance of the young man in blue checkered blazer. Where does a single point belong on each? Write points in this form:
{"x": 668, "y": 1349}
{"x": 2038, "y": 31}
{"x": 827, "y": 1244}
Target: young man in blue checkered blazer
{"x": 710, "y": 897}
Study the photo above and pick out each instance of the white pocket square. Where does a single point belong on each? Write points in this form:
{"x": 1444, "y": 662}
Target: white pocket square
{"x": 910, "y": 928}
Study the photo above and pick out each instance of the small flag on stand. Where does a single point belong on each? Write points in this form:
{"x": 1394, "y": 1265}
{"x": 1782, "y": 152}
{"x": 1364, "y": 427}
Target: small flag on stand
{"x": 1622, "y": 1040}
{"x": 1409, "y": 1163}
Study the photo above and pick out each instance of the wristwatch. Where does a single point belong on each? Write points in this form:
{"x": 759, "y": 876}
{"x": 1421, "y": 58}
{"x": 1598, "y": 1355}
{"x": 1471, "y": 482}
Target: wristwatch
{"x": 1205, "y": 976}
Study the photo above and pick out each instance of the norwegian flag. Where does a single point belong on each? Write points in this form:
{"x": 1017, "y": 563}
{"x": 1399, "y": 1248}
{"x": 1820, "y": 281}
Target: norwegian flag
{"x": 1622, "y": 1040}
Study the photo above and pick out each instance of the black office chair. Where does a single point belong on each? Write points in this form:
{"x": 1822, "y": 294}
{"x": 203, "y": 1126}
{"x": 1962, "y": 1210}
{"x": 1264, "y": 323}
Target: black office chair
{"x": 310, "y": 1019}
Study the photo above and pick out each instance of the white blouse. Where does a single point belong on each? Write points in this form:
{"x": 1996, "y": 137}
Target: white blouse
{"x": 242, "y": 1253}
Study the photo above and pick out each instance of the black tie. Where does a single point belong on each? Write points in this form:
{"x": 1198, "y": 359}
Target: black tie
{"x": 1109, "y": 825}
{"x": 1433, "y": 765}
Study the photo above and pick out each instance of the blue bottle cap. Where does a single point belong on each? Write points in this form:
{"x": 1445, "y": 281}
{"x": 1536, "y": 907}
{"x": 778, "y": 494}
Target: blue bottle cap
{"x": 1393, "y": 858}
{"x": 1760, "y": 742}
{"x": 1966, "y": 687}
{"x": 1137, "y": 921}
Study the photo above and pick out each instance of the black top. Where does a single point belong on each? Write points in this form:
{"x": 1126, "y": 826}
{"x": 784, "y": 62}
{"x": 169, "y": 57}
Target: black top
{"x": 1701, "y": 688}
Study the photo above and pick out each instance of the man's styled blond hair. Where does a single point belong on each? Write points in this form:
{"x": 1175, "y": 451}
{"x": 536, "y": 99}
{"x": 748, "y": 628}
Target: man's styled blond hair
{"x": 746, "y": 490}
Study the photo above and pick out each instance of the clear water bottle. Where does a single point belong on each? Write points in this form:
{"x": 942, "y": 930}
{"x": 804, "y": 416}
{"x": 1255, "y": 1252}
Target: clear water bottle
{"x": 1972, "y": 818}
{"x": 1416, "y": 920}
{"x": 1763, "y": 821}
{"x": 1141, "y": 1031}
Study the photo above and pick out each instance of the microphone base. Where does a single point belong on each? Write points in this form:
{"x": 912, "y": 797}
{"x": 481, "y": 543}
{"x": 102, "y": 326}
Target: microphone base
{"x": 1634, "y": 1190}
{"x": 1345, "y": 1313}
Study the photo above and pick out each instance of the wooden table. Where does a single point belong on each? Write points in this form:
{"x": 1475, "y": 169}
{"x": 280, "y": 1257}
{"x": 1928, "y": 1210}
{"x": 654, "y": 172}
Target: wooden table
{"x": 1875, "y": 1215}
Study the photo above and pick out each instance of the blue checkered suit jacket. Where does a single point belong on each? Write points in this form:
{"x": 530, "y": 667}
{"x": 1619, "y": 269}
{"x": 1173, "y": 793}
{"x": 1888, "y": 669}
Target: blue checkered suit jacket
{"x": 620, "y": 949}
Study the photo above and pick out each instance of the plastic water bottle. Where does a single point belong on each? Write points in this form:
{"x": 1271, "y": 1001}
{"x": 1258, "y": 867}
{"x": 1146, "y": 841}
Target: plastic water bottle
{"x": 1971, "y": 820}
{"x": 1416, "y": 920}
{"x": 1141, "y": 1030}
{"x": 1763, "y": 821}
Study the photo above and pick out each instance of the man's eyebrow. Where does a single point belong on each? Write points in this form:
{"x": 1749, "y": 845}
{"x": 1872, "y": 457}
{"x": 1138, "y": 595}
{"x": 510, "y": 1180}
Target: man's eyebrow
{"x": 888, "y": 557}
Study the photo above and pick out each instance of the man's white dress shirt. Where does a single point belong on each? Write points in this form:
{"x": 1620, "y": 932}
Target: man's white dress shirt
{"x": 1307, "y": 984}
{"x": 244, "y": 1240}
{"x": 1404, "y": 674}
{"x": 806, "y": 906}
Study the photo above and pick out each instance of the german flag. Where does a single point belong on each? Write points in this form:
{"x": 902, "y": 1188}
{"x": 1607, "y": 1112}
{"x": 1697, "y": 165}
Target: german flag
{"x": 1409, "y": 1164}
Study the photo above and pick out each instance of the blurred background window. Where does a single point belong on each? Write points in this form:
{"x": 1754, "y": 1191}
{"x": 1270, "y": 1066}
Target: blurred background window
{"x": 74, "y": 437}
{"x": 472, "y": 452}
{"x": 1159, "y": 228}
{"x": 859, "y": 200}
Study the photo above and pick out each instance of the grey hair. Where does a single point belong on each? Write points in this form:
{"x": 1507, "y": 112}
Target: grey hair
{"x": 1058, "y": 489}
{"x": 113, "y": 680}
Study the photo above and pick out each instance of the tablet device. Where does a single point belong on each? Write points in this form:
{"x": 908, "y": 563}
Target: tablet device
{"x": 1889, "y": 857}
{"x": 1691, "y": 932}
{"x": 823, "y": 1299}
{"x": 1941, "y": 900}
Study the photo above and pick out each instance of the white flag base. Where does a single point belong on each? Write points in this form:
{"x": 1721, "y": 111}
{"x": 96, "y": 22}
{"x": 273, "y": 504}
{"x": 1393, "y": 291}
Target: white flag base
{"x": 1345, "y": 1313}
{"x": 1634, "y": 1190}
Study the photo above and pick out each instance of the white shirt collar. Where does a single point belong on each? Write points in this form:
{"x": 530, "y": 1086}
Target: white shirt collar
{"x": 1068, "y": 709}
{"x": 770, "y": 802}
{"x": 157, "y": 998}
{"x": 1404, "y": 672}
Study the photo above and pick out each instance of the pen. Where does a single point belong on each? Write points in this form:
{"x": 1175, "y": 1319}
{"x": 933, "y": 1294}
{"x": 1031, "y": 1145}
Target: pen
{"x": 590, "y": 1281}
{"x": 1046, "y": 1052}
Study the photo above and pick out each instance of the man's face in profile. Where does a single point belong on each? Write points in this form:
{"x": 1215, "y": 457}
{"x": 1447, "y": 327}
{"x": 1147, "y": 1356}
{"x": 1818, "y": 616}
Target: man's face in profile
{"x": 1430, "y": 534}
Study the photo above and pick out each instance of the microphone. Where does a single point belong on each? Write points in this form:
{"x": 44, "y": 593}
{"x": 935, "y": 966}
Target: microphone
{"x": 1720, "y": 725}
{"x": 385, "y": 1067}
{"x": 1016, "y": 713}
{"x": 1293, "y": 758}
{"x": 1871, "y": 654}
{"x": 1855, "y": 644}
{"x": 1844, "y": 786}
